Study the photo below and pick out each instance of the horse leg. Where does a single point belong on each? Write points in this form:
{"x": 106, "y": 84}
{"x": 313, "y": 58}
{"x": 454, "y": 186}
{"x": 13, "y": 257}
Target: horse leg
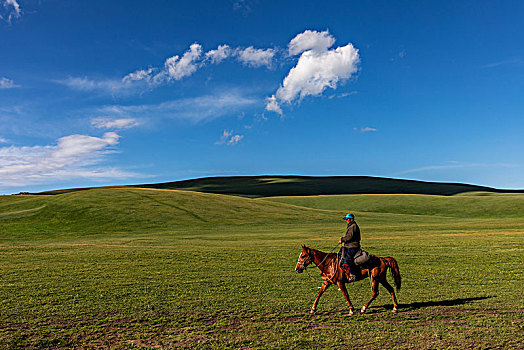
{"x": 344, "y": 291}
{"x": 322, "y": 289}
{"x": 392, "y": 292}
{"x": 374, "y": 294}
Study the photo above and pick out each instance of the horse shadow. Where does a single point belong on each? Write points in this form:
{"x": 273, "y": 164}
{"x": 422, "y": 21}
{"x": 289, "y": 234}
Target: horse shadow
{"x": 412, "y": 306}
{"x": 424, "y": 304}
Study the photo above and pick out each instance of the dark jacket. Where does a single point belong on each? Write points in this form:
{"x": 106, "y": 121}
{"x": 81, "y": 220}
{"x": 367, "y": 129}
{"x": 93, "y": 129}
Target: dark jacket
{"x": 352, "y": 237}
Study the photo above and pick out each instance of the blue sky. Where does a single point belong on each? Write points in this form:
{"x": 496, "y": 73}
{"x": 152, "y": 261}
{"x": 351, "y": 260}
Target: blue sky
{"x": 104, "y": 93}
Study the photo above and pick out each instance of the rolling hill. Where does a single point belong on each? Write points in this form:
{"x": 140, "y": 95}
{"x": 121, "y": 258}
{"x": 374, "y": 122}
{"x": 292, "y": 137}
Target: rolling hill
{"x": 269, "y": 186}
{"x": 135, "y": 210}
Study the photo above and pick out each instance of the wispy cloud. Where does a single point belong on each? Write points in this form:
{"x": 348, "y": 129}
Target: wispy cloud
{"x": 399, "y": 55}
{"x": 235, "y": 139}
{"x": 503, "y": 63}
{"x": 175, "y": 68}
{"x": 7, "y": 83}
{"x": 365, "y": 129}
{"x": 3, "y": 140}
{"x": 195, "y": 110}
{"x": 9, "y": 10}
{"x": 85, "y": 84}
{"x": 342, "y": 95}
{"x": 245, "y": 6}
{"x": 454, "y": 165}
{"x": 112, "y": 123}
{"x": 106, "y": 86}
{"x": 72, "y": 157}
{"x": 317, "y": 69}
{"x": 141, "y": 74}
{"x": 272, "y": 105}
{"x": 229, "y": 138}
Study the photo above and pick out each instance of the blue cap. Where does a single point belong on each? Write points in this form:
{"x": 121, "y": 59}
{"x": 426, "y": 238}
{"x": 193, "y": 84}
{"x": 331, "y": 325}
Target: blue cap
{"x": 349, "y": 216}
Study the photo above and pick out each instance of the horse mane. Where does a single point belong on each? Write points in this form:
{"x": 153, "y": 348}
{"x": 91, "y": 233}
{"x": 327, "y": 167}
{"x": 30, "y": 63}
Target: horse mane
{"x": 313, "y": 252}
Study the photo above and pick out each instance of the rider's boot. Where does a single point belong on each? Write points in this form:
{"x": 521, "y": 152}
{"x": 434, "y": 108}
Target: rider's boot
{"x": 347, "y": 270}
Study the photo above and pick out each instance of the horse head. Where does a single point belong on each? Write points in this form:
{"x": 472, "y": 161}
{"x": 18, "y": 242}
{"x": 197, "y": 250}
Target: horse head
{"x": 304, "y": 259}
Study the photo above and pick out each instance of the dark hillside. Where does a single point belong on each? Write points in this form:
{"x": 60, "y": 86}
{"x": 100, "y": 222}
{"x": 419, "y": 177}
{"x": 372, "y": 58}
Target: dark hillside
{"x": 268, "y": 186}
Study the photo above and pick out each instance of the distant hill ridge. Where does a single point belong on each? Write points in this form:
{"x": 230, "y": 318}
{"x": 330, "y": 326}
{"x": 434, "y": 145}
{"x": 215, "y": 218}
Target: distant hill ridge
{"x": 292, "y": 185}
{"x": 268, "y": 186}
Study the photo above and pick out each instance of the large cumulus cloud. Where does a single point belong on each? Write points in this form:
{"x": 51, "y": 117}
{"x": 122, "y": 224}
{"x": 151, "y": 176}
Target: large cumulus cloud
{"x": 317, "y": 69}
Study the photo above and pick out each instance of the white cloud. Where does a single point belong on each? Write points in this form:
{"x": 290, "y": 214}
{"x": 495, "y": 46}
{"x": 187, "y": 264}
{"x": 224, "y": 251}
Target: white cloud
{"x": 9, "y": 9}
{"x": 310, "y": 40}
{"x": 7, "y": 83}
{"x": 221, "y": 53}
{"x": 318, "y": 68}
{"x": 399, "y": 55}
{"x": 235, "y": 139}
{"x": 138, "y": 75}
{"x": 110, "y": 123}
{"x": 178, "y": 68}
{"x": 228, "y": 138}
{"x": 255, "y": 57}
{"x": 226, "y": 134}
{"x": 315, "y": 71}
{"x": 272, "y": 105}
{"x": 367, "y": 129}
{"x": 242, "y": 5}
{"x": 175, "y": 68}
{"x": 195, "y": 110}
{"x": 513, "y": 61}
{"x": 71, "y": 157}
{"x": 85, "y": 84}
{"x": 132, "y": 83}
{"x": 455, "y": 165}
{"x": 2, "y": 140}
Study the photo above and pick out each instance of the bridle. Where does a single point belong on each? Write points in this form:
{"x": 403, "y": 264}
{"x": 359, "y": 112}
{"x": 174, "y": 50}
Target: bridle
{"x": 306, "y": 262}
{"x": 309, "y": 260}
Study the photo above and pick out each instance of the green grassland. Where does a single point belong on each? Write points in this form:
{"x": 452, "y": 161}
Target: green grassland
{"x": 466, "y": 205}
{"x": 148, "y": 268}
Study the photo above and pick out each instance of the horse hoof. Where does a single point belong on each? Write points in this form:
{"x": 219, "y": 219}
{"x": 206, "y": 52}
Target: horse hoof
{"x": 312, "y": 311}
{"x": 351, "y": 312}
{"x": 363, "y": 310}
{"x": 395, "y": 310}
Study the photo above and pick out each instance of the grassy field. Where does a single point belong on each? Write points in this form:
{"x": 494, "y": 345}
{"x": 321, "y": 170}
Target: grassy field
{"x": 142, "y": 268}
{"x": 466, "y": 205}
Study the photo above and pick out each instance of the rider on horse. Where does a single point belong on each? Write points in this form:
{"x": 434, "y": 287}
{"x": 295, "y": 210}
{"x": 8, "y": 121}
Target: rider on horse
{"x": 351, "y": 246}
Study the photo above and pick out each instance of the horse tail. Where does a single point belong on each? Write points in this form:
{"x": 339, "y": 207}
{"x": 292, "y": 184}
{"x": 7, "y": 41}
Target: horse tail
{"x": 395, "y": 272}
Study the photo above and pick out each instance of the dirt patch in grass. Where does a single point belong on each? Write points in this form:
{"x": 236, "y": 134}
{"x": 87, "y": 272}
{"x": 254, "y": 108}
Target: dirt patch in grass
{"x": 144, "y": 343}
{"x": 325, "y": 326}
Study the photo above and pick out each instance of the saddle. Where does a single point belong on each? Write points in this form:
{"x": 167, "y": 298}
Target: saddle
{"x": 360, "y": 259}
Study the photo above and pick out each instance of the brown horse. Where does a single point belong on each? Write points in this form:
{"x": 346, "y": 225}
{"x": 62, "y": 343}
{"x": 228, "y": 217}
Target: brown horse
{"x": 331, "y": 273}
